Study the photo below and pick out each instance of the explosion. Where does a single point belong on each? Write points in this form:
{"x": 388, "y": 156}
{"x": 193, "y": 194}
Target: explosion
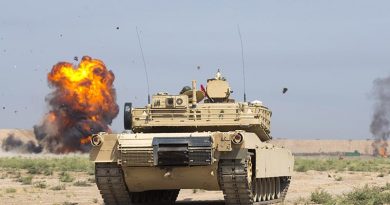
{"x": 82, "y": 103}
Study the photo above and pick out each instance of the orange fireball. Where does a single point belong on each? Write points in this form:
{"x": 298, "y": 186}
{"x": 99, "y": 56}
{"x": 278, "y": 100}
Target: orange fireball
{"x": 87, "y": 87}
{"x": 83, "y": 103}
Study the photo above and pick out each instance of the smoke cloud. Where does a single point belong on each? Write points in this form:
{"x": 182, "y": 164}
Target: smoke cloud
{"x": 380, "y": 125}
{"x": 13, "y": 143}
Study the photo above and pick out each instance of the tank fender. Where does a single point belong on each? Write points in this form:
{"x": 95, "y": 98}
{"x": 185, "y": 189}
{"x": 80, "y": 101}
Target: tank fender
{"x": 274, "y": 162}
{"x": 234, "y": 154}
{"x": 107, "y": 150}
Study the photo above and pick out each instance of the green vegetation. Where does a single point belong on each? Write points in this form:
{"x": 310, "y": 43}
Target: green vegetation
{"x": 366, "y": 165}
{"x": 65, "y": 177}
{"x": 338, "y": 178}
{"x": 35, "y": 170}
{"x": 81, "y": 183}
{"x": 25, "y": 180}
{"x": 48, "y": 172}
{"x": 91, "y": 171}
{"x": 321, "y": 197}
{"x": 92, "y": 180}
{"x": 10, "y": 190}
{"x": 46, "y": 165}
{"x": 40, "y": 184}
{"x": 58, "y": 187}
{"x": 359, "y": 196}
{"x": 367, "y": 195}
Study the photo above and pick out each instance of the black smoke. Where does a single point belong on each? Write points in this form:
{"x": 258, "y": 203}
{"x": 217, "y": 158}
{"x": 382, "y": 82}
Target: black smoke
{"x": 380, "y": 124}
{"x": 13, "y": 143}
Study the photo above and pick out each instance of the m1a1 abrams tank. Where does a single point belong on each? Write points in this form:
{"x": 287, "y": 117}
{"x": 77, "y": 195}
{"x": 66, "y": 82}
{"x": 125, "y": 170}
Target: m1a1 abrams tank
{"x": 179, "y": 142}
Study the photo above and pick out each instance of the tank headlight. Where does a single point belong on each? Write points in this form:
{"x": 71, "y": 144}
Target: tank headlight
{"x": 96, "y": 140}
{"x": 237, "y": 139}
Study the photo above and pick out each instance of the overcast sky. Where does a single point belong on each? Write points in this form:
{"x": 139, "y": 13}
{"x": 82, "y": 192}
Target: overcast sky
{"x": 326, "y": 52}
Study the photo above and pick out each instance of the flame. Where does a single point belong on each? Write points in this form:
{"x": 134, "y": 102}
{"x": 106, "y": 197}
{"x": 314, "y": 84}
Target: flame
{"x": 85, "y": 140}
{"x": 51, "y": 117}
{"x": 382, "y": 152}
{"x": 87, "y": 87}
{"x": 380, "y": 148}
{"x": 83, "y": 103}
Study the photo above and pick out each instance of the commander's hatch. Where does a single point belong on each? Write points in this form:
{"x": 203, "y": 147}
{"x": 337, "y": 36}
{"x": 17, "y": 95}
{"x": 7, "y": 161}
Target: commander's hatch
{"x": 218, "y": 90}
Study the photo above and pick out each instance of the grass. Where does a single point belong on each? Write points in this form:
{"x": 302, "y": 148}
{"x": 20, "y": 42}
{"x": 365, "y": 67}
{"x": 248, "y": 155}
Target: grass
{"x": 35, "y": 170}
{"x": 26, "y": 180}
{"x": 48, "y": 172}
{"x": 66, "y": 177}
{"x": 10, "y": 190}
{"x": 359, "y": 196}
{"x": 321, "y": 197}
{"x": 40, "y": 184}
{"x": 367, "y": 195}
{"x": 92, "y": 180}
{"x": 303, "y": 164}
{"x": 58, "y": 187}
{"x": 46, "y": 165}
{"x": 338, "y": 178}
{"x": 81, "y": 183}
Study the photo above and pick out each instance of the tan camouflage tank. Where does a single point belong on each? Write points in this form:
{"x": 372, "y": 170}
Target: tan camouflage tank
{"x": 179, "y": 142}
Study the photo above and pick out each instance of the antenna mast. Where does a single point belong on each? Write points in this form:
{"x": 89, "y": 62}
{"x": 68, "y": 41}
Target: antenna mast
{"x": 143, "y": 59}
{"x": 243, "y": 62}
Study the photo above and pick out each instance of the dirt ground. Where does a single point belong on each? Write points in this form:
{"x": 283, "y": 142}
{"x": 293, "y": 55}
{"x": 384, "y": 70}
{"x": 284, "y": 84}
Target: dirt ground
{"x": 303, "y": 184}
{"x": 13, "y": 192}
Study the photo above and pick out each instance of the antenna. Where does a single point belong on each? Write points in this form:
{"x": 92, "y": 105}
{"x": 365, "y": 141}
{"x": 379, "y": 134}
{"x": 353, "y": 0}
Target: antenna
{"x": 143, "y": 59}
{"x": 243, "y": 62}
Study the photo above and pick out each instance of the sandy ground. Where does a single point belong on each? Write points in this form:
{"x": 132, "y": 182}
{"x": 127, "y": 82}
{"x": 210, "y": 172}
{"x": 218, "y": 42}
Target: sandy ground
{"x": 302, "y": 185}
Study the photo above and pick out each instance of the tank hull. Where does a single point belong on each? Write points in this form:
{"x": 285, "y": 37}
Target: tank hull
{"x": 199, "y": 160}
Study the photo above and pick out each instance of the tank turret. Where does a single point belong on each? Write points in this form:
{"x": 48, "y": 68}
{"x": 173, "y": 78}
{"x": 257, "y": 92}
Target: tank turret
{"x": 179, "y": 113}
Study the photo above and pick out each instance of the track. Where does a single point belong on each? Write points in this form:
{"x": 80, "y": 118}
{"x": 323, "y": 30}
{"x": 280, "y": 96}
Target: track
{"x": 109, "y": 179}
{"x": 238, "y": 190}
{"x": 233, "y": 179}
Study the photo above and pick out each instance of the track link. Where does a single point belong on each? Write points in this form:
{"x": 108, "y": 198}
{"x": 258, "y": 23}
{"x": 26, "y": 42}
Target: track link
{"x": 238, "y": 190}
{"x": 110, "y": 181}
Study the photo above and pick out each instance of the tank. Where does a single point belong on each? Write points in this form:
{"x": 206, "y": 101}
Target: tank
{"x": 197, "y": 139}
